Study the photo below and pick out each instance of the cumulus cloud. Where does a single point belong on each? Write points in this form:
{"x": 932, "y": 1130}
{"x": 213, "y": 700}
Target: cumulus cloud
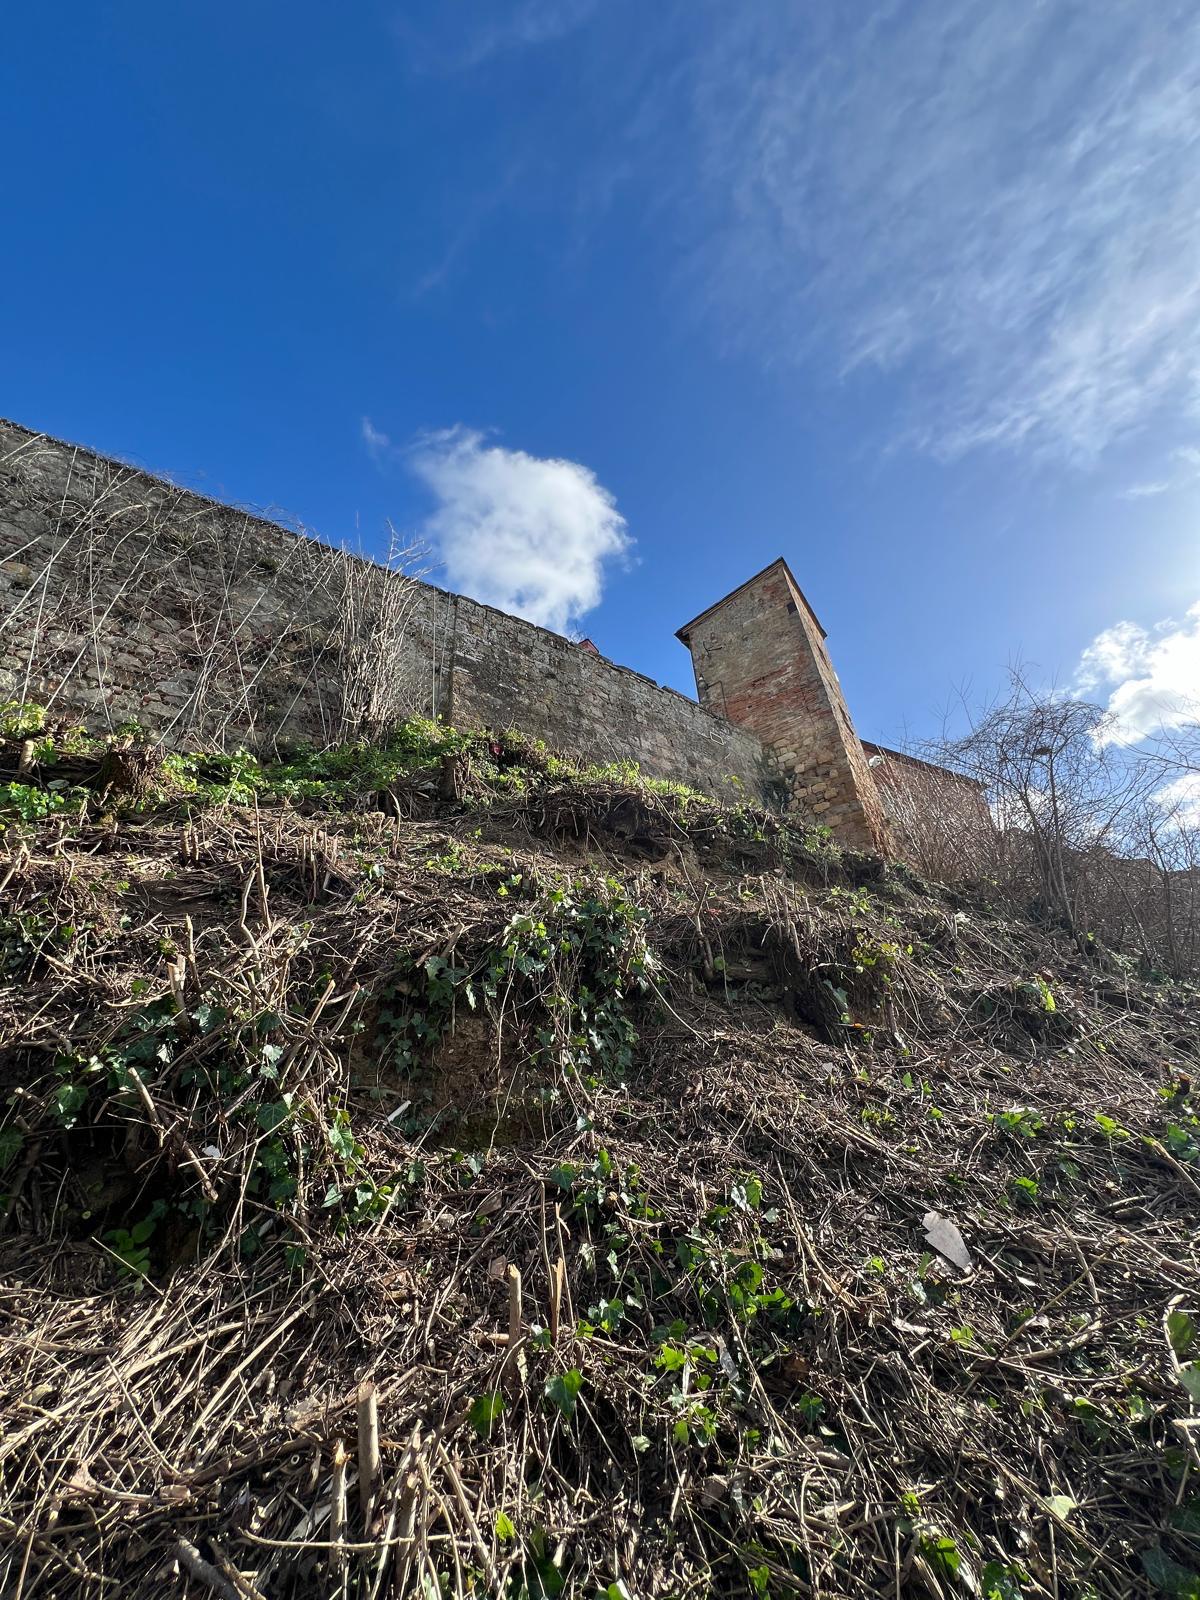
{"x": 1152, "y": 676}
{"x": 528, "y": 534}
{"x": 999, "y": 206}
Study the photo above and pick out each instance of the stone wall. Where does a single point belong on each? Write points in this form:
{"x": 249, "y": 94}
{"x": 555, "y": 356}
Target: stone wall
{"x": 123, "y": 597}
{"x": 939, "y": 820}
{"x": 760, "y": 659}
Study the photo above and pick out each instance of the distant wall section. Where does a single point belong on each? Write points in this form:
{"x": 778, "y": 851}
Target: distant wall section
{"x": 123, "y": 597}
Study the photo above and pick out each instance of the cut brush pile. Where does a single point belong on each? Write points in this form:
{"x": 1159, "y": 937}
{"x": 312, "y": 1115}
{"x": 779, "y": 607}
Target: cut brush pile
{"x": 437, "y": 1171}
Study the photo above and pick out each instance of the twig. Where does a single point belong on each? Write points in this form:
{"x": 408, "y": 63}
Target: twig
{"x": 204, "y": 1571}
{"x": 337, "y": 1509}
{"x": 368, "y": 1450}
{"x": 510, "y": 1374}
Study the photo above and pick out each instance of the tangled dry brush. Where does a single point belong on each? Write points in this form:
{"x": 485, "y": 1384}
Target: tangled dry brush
{"x": 506, "y": 1182}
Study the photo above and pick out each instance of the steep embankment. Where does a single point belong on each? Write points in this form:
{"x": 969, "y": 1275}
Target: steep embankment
{"x": 599, "y": 1129}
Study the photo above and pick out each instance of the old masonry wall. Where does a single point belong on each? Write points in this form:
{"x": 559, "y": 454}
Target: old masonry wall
{"x": 124, "y": 597}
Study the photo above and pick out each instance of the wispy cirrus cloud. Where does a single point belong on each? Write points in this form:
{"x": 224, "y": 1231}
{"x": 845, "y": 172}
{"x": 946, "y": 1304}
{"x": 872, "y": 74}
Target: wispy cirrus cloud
{"x": 467, "y": 35}
{"x": 1151, "y": 675}
{"x": 530, "y": 534}
{"x": 377, "y": 442}
{"x": 1183, "y": 468}
{"x": 997, "y": 206}
{"x": 1147, "y": 490}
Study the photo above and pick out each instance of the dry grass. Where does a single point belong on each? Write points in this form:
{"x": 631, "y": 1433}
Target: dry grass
{"x": 692, "y": 1294}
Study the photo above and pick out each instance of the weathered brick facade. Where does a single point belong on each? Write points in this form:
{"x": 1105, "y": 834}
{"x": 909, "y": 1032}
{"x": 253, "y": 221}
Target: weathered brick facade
{"x": 760, "y": 659}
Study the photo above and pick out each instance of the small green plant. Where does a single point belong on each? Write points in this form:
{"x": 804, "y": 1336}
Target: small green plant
{"x": 450, "y": 861}
{"x": 1110, "y": 1127}
{"x": 1020, "y": 1122}
{"x": 1001, "y": 1581}
{"x": 1045, "y": 994}
{"x": 819, "y": 841}
{"x": 131, "y": 1246}
{"x": 1184, "y": 1142}
{"x": 870, "y": 954}
{"x": 27, "y": 802}
{"x": 811, "y": 1408}
{"x": 21, "y": 720}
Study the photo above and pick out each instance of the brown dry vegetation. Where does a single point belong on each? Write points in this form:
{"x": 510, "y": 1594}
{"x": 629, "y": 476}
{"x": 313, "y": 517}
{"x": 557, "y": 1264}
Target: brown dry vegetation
{"x": 298, "y": 1103}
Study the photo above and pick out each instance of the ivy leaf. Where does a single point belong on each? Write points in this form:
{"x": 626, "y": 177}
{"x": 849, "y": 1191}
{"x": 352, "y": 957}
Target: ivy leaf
{"x": 272, "y": 1054}
{"x": 1061, "y": 1505}
{"x": 563, "y": 1390}
{"x": 1169, "y": 1576}
{"x": 341, "y": 1138}
{"x": 69, "y": 1100}
{"x": 1000, "y": 1582}
{"x": 483, "y": 1417}
{"x": 272, "y": 1115}
{"x": 504, "y": 1528}
{"x": 944, "y": 1552}
{"x": 12, "y": 1142}
{"x": 1181, "y": 1330}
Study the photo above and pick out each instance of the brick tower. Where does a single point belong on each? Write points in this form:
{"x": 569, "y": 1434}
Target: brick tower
{"x": 760, "y": 660}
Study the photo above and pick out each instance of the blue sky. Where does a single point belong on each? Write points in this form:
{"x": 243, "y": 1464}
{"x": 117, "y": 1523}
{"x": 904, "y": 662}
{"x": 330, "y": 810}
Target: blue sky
{"x": 613, "y": 303}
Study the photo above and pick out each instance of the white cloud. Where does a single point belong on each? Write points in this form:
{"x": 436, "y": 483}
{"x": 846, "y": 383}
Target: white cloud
{"x": 378, "y": 444}
{"x": 1181, "y": 800}
{"x": 1153, "y": 676}
{"x": 999, "y": 205}
{"x": 1185, "y": 469}
{"x": 524, "y": 533}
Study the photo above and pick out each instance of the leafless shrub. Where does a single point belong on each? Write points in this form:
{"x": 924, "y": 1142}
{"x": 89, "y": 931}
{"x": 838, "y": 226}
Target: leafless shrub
{"x": 377, "y": 669}
{"x": 939, "y": 819}
{"x": 1083, "y": 828}
{"x": 142, "y": 602}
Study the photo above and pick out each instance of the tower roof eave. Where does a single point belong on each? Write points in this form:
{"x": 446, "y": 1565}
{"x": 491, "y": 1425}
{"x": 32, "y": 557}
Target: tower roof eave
{"x": 682, "y": 633}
